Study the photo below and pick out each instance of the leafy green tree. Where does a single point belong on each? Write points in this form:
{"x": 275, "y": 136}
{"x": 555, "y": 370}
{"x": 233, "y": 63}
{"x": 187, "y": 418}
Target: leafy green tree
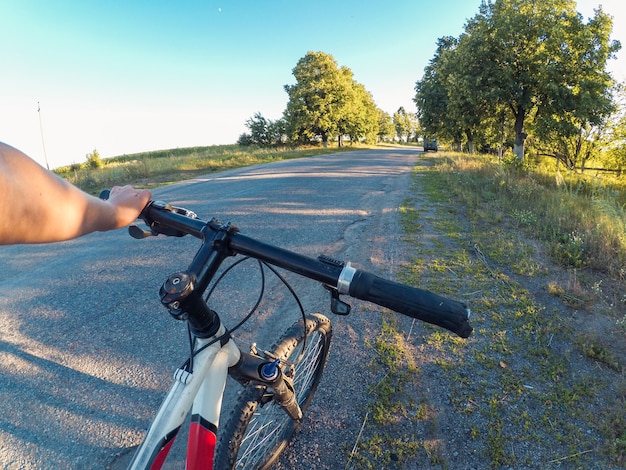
{"x": 540, "y": 59}
{"x": 326, "y": 102}
{"x": 537, "y": 60}
{"x": 404, "y": 123}
{"x": 278, "y": 131}
{"x": 469, "y": 104}
{"x": 572, "y": 130}
{"x": 259, "y": 129}
{"x": 614, "y": 142}
{"x": 93, "y": 160}
{"x": 317, "y": 102}
{"x": 433, "y": 95}
{"x": 360, "y": 119}
{"x": 386, "y": 128}
{"x": 245, "y": 140}
{"x": 263, "y": 132}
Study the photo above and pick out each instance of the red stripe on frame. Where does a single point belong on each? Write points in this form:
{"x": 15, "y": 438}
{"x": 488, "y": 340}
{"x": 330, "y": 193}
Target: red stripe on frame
{"x": 161, "y": 456}
{"x": 201, "y": 445}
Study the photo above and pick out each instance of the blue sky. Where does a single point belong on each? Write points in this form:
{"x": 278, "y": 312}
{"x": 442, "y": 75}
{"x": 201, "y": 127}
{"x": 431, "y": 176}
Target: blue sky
{"x": 131, "y": 76}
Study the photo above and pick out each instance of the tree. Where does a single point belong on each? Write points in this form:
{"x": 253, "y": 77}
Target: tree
{"x": 537, "y": 60}
{"x": 572, "y": 129}
{"x": 614, "y": 142}
{"x": 245, "y": 140}
{"x": 317, "y": 100}
{"x": 469, "y": 102}
{"x": 433, "y": 95}
{"x": 263, "y": 132}
{"x": 93, "y": 160}
{"x": 360, "y": 118}
{"x": 259, "y": 129}
{"x": 540, "y": 59}
{"x": 327, "y": 102}
{"x": 386, "y": 128}
{"x": 404, "y": 123}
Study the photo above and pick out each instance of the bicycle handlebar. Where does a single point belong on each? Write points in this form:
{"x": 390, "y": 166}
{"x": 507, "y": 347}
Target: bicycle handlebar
{"x": 417, "y": 303}
{"x": 413, "y": 302}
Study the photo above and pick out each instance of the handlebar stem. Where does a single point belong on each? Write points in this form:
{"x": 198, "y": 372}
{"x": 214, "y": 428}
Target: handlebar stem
{"x": 182, "y": 293}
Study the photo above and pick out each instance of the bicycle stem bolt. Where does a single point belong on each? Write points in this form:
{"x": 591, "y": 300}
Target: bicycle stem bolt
{"x": 174, "y": 292}
{"x": 269, "y": 370}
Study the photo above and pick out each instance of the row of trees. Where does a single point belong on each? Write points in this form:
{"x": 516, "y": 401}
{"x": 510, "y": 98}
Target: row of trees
{"x": 523, "y": 69}
{"x": 521, "y": 72}
{"x": 326, "y": 102}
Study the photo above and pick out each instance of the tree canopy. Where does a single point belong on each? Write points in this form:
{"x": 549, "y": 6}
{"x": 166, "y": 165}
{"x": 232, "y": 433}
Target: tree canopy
{"x": 263, "y": 131}
{"x": 326, "y": 102}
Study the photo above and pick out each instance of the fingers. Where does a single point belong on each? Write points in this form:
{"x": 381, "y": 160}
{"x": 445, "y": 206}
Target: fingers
{"x": 128, "y": 203}
{"x": 128, "y": 192}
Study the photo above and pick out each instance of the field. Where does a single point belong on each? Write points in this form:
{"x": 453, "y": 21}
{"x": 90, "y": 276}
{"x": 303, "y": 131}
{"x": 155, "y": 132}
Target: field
{"x": 166, "y": 166}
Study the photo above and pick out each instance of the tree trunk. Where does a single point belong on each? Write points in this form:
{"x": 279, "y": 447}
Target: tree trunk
{"x": 520, "y": 135}
{"x": 502, "y": 137}
{"x": 324, "y": 141}
{"x": 470, "y": 141}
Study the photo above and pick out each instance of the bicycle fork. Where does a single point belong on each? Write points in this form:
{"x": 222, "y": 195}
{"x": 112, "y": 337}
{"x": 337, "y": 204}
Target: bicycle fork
{"x": 202, "y": 392}
{"x": 252, "y": 367}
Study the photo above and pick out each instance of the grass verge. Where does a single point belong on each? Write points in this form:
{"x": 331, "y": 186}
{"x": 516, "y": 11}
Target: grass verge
{"x": 151, "y": 169}
{"x": 541, "y": 384}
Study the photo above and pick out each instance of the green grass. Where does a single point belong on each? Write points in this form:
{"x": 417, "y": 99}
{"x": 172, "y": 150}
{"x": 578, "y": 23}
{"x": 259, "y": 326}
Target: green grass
{"x": 502, "y": 204}
{"x": 581, "y": 218}
{"x": 167, "y": 166}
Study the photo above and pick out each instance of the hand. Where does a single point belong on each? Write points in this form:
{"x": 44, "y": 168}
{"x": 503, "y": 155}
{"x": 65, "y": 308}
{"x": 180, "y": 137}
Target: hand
{"x": 128, "y": 203}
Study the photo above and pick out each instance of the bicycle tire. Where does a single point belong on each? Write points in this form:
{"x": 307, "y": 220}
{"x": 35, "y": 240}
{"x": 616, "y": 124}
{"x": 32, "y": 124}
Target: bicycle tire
{"x": 256, "y": 433}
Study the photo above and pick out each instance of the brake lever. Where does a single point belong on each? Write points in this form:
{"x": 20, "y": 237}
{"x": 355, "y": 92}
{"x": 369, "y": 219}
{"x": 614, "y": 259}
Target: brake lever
{"x": 140, "y": 233}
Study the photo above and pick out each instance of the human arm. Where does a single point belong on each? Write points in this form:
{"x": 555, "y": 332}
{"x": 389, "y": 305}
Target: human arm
{"x": 37, "y": 206}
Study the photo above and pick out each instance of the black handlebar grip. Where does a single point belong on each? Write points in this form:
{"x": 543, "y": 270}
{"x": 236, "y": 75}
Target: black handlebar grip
{"x": 411, "y": 301}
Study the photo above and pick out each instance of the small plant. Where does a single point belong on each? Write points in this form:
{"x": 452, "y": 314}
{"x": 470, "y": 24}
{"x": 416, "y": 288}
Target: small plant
{"x": 555, "y": 289}
{"x": 594, "y": 349}
{"x": 525, "y": 217}
{"x": 93, "y": 160}
{"x": 570, "y": 250}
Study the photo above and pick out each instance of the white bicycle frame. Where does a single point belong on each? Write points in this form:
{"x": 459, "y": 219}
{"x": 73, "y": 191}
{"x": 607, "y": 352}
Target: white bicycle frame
{"x": 200, "y": 391}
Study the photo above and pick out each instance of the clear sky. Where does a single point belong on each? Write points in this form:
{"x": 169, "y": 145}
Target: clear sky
{"x": 126, "y": 76}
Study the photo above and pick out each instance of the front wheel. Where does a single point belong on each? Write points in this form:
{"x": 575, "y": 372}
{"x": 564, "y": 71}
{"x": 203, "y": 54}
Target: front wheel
{"x": 257, "y": 430}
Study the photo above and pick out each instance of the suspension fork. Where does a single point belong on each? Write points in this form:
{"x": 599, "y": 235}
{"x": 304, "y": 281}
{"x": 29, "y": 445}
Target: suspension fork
{"x": 252, "y": 368}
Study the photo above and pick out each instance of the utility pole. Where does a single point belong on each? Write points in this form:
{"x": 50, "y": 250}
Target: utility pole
{"x": 43, "y": 143}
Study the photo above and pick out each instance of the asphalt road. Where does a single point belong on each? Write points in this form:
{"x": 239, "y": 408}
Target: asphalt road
{"x": 86, "y": 350}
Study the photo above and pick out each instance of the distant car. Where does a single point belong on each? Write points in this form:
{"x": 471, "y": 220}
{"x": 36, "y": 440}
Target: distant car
{"x": 430, "y": 144}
